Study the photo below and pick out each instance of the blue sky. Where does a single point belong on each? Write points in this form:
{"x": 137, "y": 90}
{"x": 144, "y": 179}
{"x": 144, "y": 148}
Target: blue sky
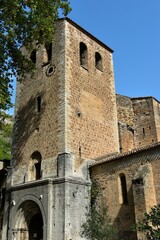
{"x": 132, "y": 29}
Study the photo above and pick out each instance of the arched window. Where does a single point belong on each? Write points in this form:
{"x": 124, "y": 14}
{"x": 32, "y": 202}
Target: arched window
{"x": 33, "y": 56}
{"x": 98, "y": 61}
{"x": 123, "y": 198}
{"x": 47, "y": 53}
{"x": 35, "y": 169}
{"x": 83, "y": 55}
{"x": 48, "y": 47}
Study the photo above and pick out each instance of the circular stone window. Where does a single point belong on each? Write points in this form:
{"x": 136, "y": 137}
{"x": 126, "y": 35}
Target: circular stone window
{"x": 50, "y": 70}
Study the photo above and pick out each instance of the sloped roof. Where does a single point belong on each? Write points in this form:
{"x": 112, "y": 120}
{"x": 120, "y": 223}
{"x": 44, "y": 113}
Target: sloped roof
{"x": 105, "y": 159}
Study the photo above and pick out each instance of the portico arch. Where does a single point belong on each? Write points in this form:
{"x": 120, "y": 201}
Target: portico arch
{"x": 29, "y": 222}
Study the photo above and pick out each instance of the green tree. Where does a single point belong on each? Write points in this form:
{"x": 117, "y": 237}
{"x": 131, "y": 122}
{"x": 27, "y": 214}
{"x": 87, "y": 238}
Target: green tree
{"x": 22, "y": 23}
{"x": 150, "y": 225}
{"x": 5, "y": 138}
{"x": 98, "y": 224}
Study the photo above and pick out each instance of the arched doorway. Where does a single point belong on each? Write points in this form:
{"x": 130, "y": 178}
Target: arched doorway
{"x": 36, "y": 227}
{"x": 29, "y": 222}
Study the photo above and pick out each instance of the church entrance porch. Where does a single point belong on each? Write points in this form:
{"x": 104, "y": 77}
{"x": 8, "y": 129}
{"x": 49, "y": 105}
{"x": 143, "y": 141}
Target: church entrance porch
{"x": 29, "y": 222}
{"x": 36, "y": 227}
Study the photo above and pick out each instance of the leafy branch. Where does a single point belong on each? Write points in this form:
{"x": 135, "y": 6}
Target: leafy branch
{"x": 150, "y": 225}
{"x": 22, "y": 23}
{"x": 98, "y": 224}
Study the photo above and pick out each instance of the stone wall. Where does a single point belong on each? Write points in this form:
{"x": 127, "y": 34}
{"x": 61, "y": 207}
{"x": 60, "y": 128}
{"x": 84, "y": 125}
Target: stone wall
{"x": 41, "y": 129}
{"x": 66, "y": 114}
{"x": 141, "y": 170}
{"x": 64, "y": 106}
{"x": 138, "y": 121}
{"x": 156, "y": 109}
{"x": 145, "y": 129}
{"x": 91, "y": 124}
{"x": 125, "y": 112}
{"x": 126, "y": 137}
{"x": 125, "y": 116}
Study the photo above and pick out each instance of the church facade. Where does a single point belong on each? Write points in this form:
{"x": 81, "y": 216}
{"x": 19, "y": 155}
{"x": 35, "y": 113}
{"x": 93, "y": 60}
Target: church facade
{"x": 71, "y": 128}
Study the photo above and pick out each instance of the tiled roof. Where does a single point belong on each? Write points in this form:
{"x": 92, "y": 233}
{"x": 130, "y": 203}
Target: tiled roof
{"x": 108, "y": 158}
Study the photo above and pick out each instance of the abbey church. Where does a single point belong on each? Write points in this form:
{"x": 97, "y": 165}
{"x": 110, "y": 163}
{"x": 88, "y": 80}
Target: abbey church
{"x": 72, "y": 128}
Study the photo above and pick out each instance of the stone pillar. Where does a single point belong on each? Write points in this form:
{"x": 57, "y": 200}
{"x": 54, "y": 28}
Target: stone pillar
{"x": 144, "y": 193}
{"x": 64, "y": 165}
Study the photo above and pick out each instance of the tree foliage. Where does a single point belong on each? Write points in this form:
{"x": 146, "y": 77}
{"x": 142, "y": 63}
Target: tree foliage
{"x": 150, "y": 224}
{"x": 5, "y": 138}
{"x": 98, "y": 224}
{"x": 22, "y": 23}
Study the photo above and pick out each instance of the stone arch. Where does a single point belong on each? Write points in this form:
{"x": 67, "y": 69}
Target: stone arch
{"x": 83, "y": 55}
{"x": 35, "y": 171}
{"x": 26, "y": 228}
{"x": 98, "y": 61}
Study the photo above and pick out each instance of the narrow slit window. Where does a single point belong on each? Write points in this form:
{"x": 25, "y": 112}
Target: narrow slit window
{"x": 39, "y": 104}
{"x": 33, "y": 56}
{"x": 83, "y": 55}
{"x": 98, "y": 61}
{"x": 144, "y": 133}
{"x": 123, "y": 198}
{"x": 49, "y": 51}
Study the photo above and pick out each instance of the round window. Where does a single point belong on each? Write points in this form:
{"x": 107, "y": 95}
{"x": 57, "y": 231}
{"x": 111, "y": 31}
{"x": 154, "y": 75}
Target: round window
{"x": 50, "y": 70}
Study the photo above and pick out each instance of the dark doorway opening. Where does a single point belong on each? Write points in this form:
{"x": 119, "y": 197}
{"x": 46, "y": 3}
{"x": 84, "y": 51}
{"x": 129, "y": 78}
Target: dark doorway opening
{"x": 36, "y": 227}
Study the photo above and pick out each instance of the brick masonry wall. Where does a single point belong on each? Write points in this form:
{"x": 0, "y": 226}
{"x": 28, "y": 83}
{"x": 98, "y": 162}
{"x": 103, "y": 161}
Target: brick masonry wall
{"x": 156, "y": 171}
{"x": 145, "y": 129}
{"x": 156, "y": 108}
{"x": 139, "y": 122}
{"x": 41, "y": 131}
{"x": 125, "y": 123}
{"x": 141, "y": 165}
{"x": 125, "y": 110}
{"x": 78, "y": 112}
{"x": 107, "y": 179}
{"x": 91, "y": 124}
{"x": 126, "y": 137}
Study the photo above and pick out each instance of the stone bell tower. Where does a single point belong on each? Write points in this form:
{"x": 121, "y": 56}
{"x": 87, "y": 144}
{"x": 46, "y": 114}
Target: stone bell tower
{"x": 65, "y": 116}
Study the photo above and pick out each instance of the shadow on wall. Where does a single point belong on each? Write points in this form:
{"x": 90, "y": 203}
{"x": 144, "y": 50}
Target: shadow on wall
{"x": 126, "y": 218}
{"x": 27, "y": 122}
